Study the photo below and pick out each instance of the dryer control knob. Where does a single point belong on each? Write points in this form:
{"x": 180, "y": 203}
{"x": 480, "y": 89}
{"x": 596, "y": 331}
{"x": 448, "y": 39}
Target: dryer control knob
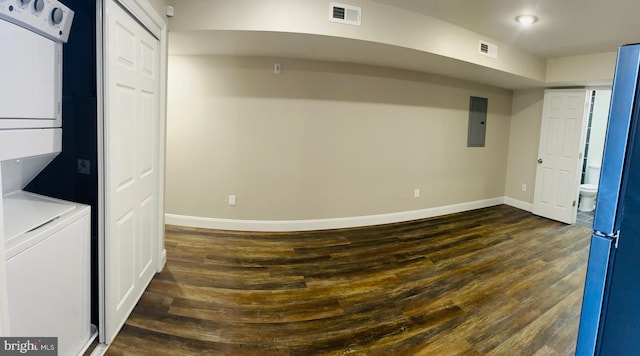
{"x": 24, "y": 2}
{"x": 38, "y": 5}
{"x": 56, "y": 15}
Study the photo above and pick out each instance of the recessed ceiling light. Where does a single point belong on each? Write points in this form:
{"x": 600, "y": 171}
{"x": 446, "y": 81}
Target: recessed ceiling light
{"x": 526, "y": 20}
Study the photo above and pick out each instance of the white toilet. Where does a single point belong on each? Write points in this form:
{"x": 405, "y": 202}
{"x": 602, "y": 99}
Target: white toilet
{"x": 589, "y": 190}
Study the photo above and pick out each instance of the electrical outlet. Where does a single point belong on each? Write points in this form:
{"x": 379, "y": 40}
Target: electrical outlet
{"x": 524, "y": 187}
{"x": 277, "y": 69}
{"x": 232, "y": 200}
{"x": 84, "y": 166}
{"x": 416, "y": 193}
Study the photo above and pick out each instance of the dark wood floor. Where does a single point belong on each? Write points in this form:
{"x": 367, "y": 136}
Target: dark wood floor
{"x": 496, "y": 281}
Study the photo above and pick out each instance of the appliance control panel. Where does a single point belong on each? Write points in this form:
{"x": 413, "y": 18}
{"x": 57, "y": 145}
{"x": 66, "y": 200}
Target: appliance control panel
{"x": 49, "y": 18}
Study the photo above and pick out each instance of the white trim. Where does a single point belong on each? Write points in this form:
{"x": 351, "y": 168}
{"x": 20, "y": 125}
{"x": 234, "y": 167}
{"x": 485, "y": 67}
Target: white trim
{"x": 94, "y": 336}
{"x": 322, "y": 224}
{"x": 100, "y": 115}
{"x": 161, "y": 257}
{"x": 144, "y": 12}
{"x": 518, "y": 204}
{"x": 4, "y": 305}
{"x": 100, "y": 350}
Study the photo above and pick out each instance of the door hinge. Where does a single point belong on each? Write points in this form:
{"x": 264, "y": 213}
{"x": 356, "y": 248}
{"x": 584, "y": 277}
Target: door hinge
{"x": 574, "y": 203}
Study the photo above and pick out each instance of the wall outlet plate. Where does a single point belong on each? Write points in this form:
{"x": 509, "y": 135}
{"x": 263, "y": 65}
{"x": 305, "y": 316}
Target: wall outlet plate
{"x": 84, "y": 166}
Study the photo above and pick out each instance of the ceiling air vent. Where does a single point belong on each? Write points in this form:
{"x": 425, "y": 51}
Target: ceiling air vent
{"x": 347, "y": 14}
{"x": 488, "y": 49}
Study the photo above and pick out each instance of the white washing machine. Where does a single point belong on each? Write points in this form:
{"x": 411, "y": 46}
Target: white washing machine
{"x": 48, "y": 270}
{"x": 46, "y": 240}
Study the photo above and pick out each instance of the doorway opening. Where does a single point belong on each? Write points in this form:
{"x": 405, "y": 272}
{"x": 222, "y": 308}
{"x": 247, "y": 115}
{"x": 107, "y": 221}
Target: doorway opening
{"x": 596, "y": 126}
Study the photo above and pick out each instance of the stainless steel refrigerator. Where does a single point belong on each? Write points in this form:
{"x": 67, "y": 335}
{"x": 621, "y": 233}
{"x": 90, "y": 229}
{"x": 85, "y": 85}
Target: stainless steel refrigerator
{"x": 610, "y": 318}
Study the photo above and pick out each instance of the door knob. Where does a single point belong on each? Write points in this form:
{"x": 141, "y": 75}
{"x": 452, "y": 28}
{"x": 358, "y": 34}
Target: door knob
{"x": 539, "y": 160}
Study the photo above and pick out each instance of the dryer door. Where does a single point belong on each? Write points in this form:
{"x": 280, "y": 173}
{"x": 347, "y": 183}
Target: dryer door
{"x": 31, "y": 79}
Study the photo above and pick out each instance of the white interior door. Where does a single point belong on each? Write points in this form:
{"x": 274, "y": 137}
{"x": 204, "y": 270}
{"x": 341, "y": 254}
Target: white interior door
{"x": 131, "y": 156}
{"x": 560, "y": 154}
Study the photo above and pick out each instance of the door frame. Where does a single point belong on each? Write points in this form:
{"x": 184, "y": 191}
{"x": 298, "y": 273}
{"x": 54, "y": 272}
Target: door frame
{"x": 4, "y": 305}
{"x": 585, "y": 124}
{"x": 147, "y": 16}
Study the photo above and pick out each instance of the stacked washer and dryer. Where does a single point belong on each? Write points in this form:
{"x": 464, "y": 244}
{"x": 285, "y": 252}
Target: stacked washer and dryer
{"x": 46, "y": 240}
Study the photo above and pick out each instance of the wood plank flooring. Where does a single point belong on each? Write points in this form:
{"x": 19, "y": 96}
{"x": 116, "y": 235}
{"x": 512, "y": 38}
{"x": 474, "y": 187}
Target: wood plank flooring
{"x": 495, "y": 281}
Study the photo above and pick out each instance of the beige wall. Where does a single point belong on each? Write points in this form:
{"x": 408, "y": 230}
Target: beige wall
{"x": 590, "y": 69}
{"x": 324, "y": 139}
{"x": 524, "y": 135}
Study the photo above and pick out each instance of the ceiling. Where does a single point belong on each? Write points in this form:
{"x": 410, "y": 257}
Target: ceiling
{"x": 565, "y": 28}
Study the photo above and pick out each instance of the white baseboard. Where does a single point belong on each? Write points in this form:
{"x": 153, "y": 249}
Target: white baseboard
{"x": 323, "y": 224}
{"x": 518, "y": 204}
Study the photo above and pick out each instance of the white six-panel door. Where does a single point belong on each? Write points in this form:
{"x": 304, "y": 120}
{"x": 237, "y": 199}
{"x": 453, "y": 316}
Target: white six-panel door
{"x": 131, "y": 156}
{"x": 559, "y": 154}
